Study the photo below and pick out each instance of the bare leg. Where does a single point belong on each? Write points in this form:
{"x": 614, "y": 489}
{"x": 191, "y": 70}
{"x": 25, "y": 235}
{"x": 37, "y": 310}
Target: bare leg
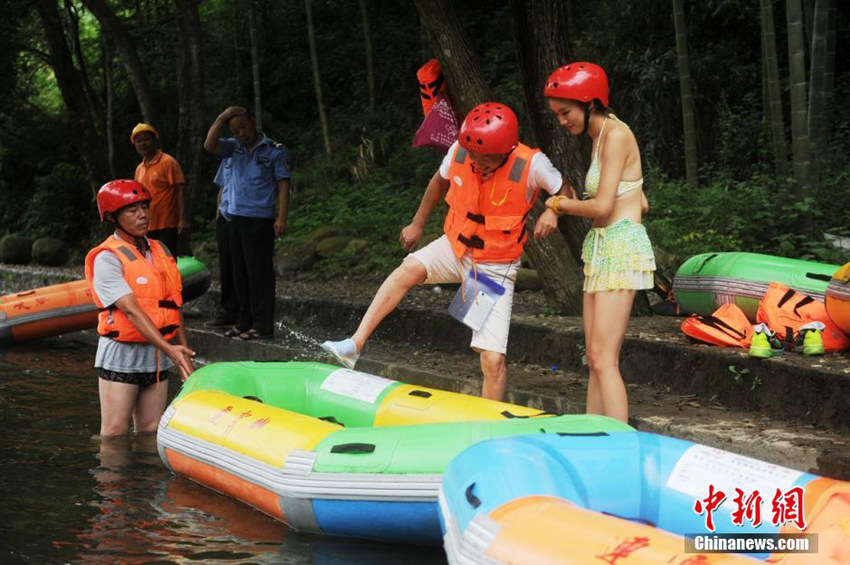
{"x": 407, "y": 275}
{"x": 150, "y": 406}
{"x": 612, "y": 309}
{"x": 594, "y": 397}
{"x": 495, "y": 372}
{"x": 116, "y": 406}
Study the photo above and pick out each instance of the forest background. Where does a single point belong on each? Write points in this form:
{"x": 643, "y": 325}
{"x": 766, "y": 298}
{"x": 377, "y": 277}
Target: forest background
{"x": 741, "y": 109}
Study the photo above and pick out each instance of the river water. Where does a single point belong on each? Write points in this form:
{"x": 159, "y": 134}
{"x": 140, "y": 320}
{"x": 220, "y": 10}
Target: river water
{"x": 71, "y": 497}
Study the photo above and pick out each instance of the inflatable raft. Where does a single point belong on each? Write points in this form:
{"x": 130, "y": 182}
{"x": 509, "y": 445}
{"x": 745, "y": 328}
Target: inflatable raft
{"x": 838, "y": 298}
{"x": 629, "y": 496}
{"x": 704, "y": 282}
{"x": 68, "y": 307}
{"x": 334, "y": 451}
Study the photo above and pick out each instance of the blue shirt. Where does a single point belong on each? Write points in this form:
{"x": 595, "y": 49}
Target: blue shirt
{"x": 249, "y": 179}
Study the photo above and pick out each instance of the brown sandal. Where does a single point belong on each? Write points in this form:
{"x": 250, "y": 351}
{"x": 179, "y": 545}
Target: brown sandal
{"x": 232, "y": 332}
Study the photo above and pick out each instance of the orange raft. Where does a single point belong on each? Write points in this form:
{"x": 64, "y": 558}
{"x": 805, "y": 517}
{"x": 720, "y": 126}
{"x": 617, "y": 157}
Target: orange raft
{"x": 838, "y": 298}
{"x": 68, "y": 307}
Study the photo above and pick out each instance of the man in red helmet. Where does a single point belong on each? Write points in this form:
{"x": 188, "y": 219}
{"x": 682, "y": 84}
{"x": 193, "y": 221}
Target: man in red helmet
{"x": 490, "y": 182}
{"x": 135, "y": 281}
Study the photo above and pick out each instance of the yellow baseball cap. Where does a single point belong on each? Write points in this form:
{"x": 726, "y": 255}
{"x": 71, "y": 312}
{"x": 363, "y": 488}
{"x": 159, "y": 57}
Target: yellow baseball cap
{"x": 140, "y": 127}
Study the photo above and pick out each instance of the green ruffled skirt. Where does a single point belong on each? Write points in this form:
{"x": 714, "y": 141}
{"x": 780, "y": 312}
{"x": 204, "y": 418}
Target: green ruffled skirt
{"x": 618, "y": 257}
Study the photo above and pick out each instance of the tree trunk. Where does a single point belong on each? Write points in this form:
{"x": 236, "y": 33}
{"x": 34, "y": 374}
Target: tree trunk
{"x": 690, "y": 131}
{"x": 370, "y": 67}
{"x": 255, "y": 63}
{"x": 829, "y": 75}
{"x": 559, "y": 271}
{"x": 317, "y": 83}
{"x": 817, "y": 72}
{"x": 109, "y": 93}
{"x": 797, "y": 71}
{"x": 192, "y": 129}
{"x": 542, "y": 44}
{"x": 72, "y": 32}
{"x": 91, "y": 146}
{"x": 466, "y": 84}
{"x": 237, "y": 59}
{"x": 113, "y": 27}
{"x": 773, "y": 111}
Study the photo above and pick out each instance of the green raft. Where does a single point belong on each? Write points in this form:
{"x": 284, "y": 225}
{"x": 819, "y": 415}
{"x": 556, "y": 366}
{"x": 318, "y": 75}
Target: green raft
{"x": 334, "y": 451}
{"x": 706, "y": 281}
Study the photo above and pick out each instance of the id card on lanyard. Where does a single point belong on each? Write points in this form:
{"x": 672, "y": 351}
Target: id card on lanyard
{"x": 475, "y": 300}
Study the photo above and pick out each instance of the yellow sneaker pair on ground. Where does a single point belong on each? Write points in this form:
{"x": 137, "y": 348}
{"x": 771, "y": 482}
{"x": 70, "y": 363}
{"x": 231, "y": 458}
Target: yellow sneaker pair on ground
{"x": 766, "y": 344}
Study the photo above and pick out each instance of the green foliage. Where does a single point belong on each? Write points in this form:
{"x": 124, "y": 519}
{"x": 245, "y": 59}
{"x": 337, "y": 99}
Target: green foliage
{"x": 60, "y": 207}
{"x": 758, "y": 214}
{"x": 371, "y": 185}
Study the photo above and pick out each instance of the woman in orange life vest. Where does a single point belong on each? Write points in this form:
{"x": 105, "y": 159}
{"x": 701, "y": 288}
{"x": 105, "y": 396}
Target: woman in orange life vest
{"x": 136, "y": 283}
{"x": 490, "y": 181}
{"x": 617, "y": 254}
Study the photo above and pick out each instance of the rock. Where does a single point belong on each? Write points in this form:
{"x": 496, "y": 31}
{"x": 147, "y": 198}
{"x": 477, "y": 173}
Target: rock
{"x": 527, "y": 279}
{"x": 355, "y": 247}
{"x": 295, "y": 257}
{"x": 525, "y": 261}
{"x": 331, "y": 246}
{"x": 49, "y": 251}
{"x": 321, "y": 233}
{"x": 15, "y": 249}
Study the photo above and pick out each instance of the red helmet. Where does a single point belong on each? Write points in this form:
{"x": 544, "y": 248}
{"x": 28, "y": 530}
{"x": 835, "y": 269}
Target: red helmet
{"x": 116, "y": 194}
{"x": 578, "y": 81}
{"x": 490, "y": 128}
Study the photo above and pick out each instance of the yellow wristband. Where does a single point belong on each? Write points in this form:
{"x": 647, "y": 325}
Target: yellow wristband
{"x": 556, "y": 202}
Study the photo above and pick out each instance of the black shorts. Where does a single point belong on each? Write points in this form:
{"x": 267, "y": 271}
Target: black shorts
{"x": 141, "y": 380}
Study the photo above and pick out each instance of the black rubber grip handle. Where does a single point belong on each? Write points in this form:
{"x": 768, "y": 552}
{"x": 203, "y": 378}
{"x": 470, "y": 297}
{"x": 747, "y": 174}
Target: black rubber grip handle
{"x": 353, "y": 448}
{"x": 420, "y": 393}
{"x": 473, "y": 500}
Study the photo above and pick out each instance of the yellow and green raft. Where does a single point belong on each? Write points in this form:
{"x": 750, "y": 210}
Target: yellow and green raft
{"x": 335, "y": 451}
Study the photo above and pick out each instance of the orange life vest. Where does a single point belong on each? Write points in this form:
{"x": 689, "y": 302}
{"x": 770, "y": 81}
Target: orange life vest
{"x": 156, "y": 286}
{"x": 728, "y": 326}
{"x": 785, "y": 310}
{"x": 488, "y": 218}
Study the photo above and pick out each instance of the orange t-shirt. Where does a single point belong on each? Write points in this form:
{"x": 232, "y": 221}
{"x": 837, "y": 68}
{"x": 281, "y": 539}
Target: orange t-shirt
{"x": 160, "y": 176}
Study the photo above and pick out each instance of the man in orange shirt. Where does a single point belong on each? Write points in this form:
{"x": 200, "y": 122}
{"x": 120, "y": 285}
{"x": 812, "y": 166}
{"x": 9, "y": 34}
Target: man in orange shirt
{"x": 161, "y": 174}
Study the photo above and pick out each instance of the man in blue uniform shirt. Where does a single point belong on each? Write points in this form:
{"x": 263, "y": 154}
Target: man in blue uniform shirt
{"x": 254, "y": 177}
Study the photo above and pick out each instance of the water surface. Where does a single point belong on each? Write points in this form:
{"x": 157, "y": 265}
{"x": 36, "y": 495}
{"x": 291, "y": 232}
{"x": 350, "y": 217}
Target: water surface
{"x": 71, "y": 497}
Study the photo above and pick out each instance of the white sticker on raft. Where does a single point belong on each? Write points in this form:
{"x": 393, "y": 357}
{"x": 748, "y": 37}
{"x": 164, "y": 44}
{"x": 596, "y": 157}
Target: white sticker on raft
{"x": 701, "y": 466}
{"x": 357, "y": 385}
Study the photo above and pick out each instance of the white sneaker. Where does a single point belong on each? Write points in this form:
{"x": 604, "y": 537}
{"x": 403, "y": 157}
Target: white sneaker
{"x": 344, "y": 351}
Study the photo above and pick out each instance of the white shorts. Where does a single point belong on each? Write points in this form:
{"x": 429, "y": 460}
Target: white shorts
{"x": 443, "y": 267}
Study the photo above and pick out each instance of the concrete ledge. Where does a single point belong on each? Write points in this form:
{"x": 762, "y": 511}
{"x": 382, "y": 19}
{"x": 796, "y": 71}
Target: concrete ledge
{"x": 792, "y": 388}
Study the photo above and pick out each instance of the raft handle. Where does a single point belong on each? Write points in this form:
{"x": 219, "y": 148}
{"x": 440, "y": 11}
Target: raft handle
{"x": 510, "y": 415}
{"x": 420, "y": 393}
{"x": 254, "y": 398}
{"x": 353, "y": 448}
{"x": 704, "y": 261}
{"x": 818, "y": 277}
{"x": 473, "y": 500}
{"x": 332, "y": 420}
{"x": 26, "y": 293}
{"x": 582, "y": 434}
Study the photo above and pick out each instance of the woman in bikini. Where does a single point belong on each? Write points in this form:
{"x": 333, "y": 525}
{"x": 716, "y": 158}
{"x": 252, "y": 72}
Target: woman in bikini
{"x": 617, "y": 254}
